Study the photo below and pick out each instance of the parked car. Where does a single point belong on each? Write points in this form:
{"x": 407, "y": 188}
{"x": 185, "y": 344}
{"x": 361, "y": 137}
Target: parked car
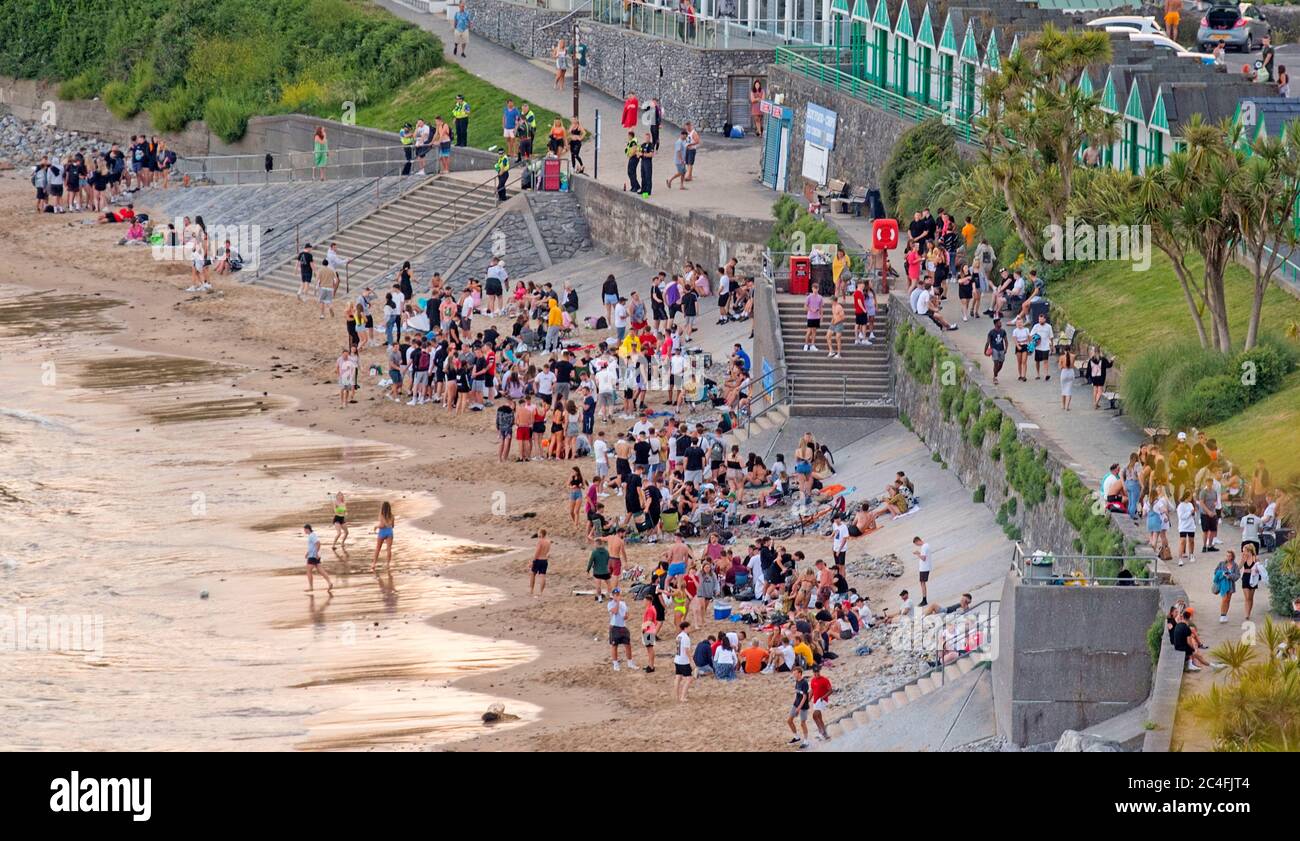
{"x": 1239, "y": 25}
{"x": 1136, "y": 23}
{"x": 1164, "y": 42}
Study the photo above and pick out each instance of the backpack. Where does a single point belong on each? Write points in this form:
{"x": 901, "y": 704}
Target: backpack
{"x": 716, "y": 452}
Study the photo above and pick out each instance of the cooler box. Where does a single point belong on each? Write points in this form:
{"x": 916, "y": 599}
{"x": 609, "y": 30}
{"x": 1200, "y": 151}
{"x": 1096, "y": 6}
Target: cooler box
{"x": 721, "y": 610}
{"x": 551, "y": 174}
{"x": 800, "y": 275}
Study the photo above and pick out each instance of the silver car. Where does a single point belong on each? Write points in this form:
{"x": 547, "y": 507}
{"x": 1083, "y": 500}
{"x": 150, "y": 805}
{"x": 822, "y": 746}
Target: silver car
{"x": 1239, "y": 25}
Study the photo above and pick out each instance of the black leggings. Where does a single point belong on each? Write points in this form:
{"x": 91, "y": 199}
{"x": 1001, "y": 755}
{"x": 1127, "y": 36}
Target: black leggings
{"x": 575, "y": 153}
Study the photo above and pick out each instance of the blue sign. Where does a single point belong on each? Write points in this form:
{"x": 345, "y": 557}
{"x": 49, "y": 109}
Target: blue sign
{"x": 819, "y": 126}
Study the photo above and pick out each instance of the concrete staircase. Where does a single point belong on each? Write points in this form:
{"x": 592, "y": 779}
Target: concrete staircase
{"x": 901, "y": 697}
{"x": 409, "y": 223}
{"x": 858, "y": 385}
{"x": 771, "y": 420}
{"x": 985, "y": 616}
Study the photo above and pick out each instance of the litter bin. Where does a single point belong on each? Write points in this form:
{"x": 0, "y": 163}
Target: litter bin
{"x": 800, "y": 275}
{"x": 823, "y": 279}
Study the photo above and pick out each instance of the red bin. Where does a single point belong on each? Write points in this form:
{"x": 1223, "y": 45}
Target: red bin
{"x": 800, "y": 275}
{"x": 551, "y": 174}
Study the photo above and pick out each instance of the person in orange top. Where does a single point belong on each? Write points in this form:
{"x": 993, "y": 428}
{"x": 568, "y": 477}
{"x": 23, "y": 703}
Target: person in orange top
{"x": 754, "y": 658}
{"x": 968, "y": 233}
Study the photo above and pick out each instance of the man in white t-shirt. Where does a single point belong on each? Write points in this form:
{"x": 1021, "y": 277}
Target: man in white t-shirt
{"x": 924, "y": 563}
{"x": 600, "y": 452}
{"x": 620, "y": 319}
{"x": 618, "y": 632}
{"x": 682, "y": 663}
{"x": 1043, "y": 348}
{"x": 755, "y": 564}
{"x": 1186, "y": 530}
{"x": 840, "y": 543}
{"x": 1250, "y": 530}
{"x": 606, "y": 395}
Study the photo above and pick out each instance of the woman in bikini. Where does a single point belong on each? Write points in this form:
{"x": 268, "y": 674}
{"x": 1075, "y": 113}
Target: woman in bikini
{"x": 340, "y": 519}
{"x": 384, "y": 530}
{"x": 576, "y": 488}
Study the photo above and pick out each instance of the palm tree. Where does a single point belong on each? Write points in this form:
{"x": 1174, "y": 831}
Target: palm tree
{"x": 1036, "y": 123}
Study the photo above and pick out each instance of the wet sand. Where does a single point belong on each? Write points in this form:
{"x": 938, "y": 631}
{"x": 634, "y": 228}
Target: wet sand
{"x": 260, "y": 665}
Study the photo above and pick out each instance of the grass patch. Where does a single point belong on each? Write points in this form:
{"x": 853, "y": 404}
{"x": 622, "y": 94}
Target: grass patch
{"x": 1134, "y": 312}
{"x": 434, "y": 93}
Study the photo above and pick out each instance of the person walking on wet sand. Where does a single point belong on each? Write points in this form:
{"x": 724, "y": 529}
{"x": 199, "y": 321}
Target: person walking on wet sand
{"x": 340, "y": 519}
{"x": 347, "y": 367}
{"x": 384, "y": 532}
{"x": 313, "y": 559}
{"x": 541, "y": 559}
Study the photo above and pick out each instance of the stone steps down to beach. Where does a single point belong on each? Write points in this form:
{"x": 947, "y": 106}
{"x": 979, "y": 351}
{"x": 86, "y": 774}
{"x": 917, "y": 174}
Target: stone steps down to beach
{"x": 275, "y": 209}
{"x": 535, "y": 235}
{"x": 857, "y": 383}
{"x": 889, "y": 701}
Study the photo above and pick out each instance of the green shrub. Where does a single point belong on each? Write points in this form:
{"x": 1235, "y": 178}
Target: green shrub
{"x": 242, "y": 52}
{"x": 227, "y": 118}
{"x": 1284, "y": 579}
{"x": 1152, "y": 380}
{"x": 1156, "y": 638}
{"x": 925, "y": 145}
{"x": 1209, "y": 401}
{"x": 1269, "y": 363}
{"x": 120, "y": 99}
{"x": 84, "y": 85}
{"x": 172, "y": 114}
{"x": 978, "y": 496}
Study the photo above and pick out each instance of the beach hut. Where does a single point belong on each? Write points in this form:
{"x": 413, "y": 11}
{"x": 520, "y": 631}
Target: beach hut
{"x": 904, "y": 44}
{"x": 925, "y": 58}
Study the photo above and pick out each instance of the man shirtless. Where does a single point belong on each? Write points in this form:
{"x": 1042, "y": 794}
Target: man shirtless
{"x": 524, "y": 415}
{"x": 863, "y": 521}
{"x": 679, "y": 552}
{"x": 617, "y": 546}
{"x": 541, "y": 558}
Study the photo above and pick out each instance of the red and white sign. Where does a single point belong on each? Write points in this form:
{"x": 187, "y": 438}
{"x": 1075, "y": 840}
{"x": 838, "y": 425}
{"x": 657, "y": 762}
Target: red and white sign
{"x": 884, "y": 234}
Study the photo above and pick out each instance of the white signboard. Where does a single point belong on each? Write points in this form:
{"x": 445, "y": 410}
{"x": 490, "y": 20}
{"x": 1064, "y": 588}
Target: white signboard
{"x": 816, "y": 160}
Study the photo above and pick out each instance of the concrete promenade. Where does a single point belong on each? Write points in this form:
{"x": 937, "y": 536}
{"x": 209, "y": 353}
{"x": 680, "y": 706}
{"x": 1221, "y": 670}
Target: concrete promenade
{"x": 726, "y": 171}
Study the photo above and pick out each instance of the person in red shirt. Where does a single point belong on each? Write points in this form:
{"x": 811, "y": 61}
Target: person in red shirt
{"x": 819, "y": 689}
{"x": 125, "y": 214}
{"x": 631, "y": 110}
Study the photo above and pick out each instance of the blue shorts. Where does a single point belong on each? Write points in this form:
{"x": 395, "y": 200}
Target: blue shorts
{"x": 611, "y": 300}
{"x": 385, "y": 533}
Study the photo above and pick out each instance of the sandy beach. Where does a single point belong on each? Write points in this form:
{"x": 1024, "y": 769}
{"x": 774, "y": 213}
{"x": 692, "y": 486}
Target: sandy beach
{"x": 249, "y": 416}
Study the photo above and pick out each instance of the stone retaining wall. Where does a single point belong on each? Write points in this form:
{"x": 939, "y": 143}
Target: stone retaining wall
{"x": 628, "y": 225}
{"x": 691, "y": 83}
{"x": 517, "y": 26}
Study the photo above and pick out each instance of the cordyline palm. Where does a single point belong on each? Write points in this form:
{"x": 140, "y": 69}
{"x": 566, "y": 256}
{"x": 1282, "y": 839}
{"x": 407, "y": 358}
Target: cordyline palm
{"x": 1036, "y": 123}
{"x": 1119, "y": 198}
{"x": 1263, "y": 201}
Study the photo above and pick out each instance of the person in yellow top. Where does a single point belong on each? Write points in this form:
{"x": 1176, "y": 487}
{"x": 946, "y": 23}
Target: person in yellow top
{"x": 631, "y": 344}
{"x": 633, "y": 152}
{"x": 802, "y": 648}
{"x": 838, "y": 267}
{"x": 502, "y": 167}
{"x": 554, "y": 321}
{"x": 968, "y": 232}
{"x": 460, "y": 113}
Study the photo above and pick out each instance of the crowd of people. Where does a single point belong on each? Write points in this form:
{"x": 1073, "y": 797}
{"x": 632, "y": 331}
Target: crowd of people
{"x": 93, "y": 180}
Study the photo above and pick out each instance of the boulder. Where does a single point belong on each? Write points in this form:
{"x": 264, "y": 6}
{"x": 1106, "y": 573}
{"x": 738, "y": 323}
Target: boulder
{"x": 1072, "y": 741}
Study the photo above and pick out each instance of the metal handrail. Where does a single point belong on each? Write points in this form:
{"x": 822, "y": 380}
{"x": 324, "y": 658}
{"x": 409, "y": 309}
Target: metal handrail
{"x": 708, "y": 31}
{"x": 823, "y": 64}
{"x": 1072, "y": 570}
{"x": 386, "y": 243}
{"x": 336, "y": 209}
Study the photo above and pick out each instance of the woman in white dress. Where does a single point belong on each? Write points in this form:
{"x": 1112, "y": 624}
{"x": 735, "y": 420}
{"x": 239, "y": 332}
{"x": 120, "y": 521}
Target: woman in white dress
{"x": 1067, "y": 377}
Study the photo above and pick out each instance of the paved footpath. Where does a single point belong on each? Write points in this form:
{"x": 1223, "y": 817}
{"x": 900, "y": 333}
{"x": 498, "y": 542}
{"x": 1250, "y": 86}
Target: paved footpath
{"x": 726, "y": 171}
{"x": 1095, "y": 439}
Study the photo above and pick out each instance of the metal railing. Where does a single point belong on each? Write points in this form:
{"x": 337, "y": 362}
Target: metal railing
{"x": 404, "y": 243}
{"x": 832, "y": 66}
{"x": 335, "y": 210}
{"x": 290, "y": 167}
{"x": 710, "y": 32}
{"x": 1049, "y": 568}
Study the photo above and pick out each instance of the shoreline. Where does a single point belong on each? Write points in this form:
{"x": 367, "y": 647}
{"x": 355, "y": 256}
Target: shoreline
{"x": 288, "y": 351}
{"x": 139, "y": 307}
